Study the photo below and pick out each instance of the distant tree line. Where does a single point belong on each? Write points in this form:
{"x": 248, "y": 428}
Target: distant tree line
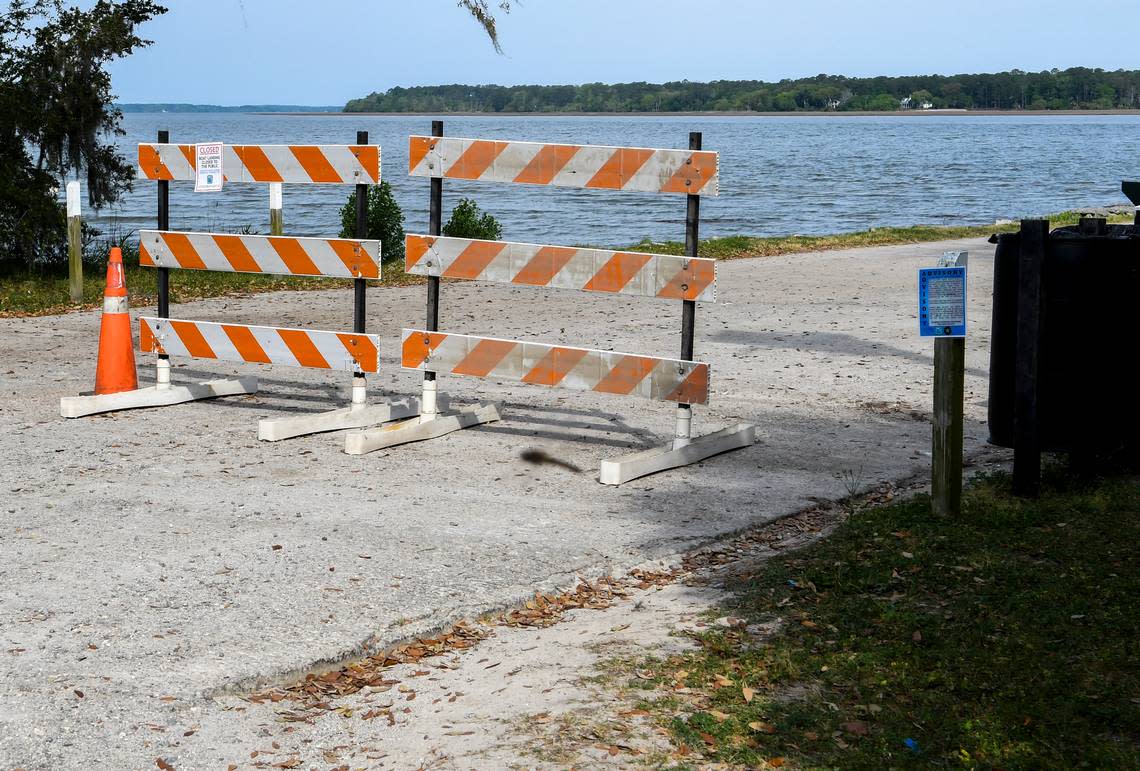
{"x": 1078, "y": 88}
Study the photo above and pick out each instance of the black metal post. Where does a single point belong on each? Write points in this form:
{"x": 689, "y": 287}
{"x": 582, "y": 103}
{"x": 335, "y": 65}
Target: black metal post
{"x": 1026, "y": 435}
{"x": 360, "y": 285}
{"x": 692, "y": 239}
{"x": 163, "y": 224}
{"x": 435, "y": 228}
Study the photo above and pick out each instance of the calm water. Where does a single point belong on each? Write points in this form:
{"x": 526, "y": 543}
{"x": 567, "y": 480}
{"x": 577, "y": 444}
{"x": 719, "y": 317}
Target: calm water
{"x": 807, "y": 175}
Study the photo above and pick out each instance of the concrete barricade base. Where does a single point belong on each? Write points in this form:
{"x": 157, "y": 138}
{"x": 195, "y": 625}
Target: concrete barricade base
{"x": 418, "y": 429}
{"x": 620, "y": 470}
{"x": 79, "y": 406}
{"x": 356, "y": 416}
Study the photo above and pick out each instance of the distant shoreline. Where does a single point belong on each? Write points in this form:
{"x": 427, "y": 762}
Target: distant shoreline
{"x": 724, "y": 114}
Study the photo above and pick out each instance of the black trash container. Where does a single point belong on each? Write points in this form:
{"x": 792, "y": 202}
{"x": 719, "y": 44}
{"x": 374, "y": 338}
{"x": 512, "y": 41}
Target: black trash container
{"x": 1090, "y": 327}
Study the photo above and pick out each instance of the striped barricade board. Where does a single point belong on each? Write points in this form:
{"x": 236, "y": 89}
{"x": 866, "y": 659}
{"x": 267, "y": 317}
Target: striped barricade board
{"x": 260, "y": 345}
{"x": 315, "y": 164}
{"x": 582, "y": 369}
{"x": 693, "y": 172}
{"x": 283, "y": 255}
{"x": 561, "y": 267}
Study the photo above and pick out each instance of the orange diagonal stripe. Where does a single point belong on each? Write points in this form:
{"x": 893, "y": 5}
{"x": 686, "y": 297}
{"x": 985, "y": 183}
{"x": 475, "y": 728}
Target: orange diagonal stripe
{"x": 694, "y": 389}
{"x": 554, "y": 366}
{"x": 184, "y": 252}
{"x": 418, "y": 148}
{"x": 544, "y": 265}
{"x": 148, "y": 343}
{"x": 303, "y": 349}
{"x": 355, "y": 258}
{"x": 293, "y": 255}
{"x": 361, "y": 348}
{"x": 620, "y": 167}
{"x": 618, "y": 271}
{"x": 315, "y": 164}
{"x": 191, "y": 337}
{"x": 368, "y": 156}
{"x": 236, "y": 253}
{"x": 626, "y": 376}
{"x": 698, "y": 172}
{"x": 474, "y": 259}
{"x": 151, "y": 163}
{"x": 696, "y": 279}
{"x": 258, "y": 167}
{"x": 484, "y": 357}
{"x": 475, "y": 159}
{"x": 246, "y": 344}
{"x": 144, "y": 255}
{"x": 546, "y": 164}
{"x": 418, "y": 346}
{"x": 189, "y": 153}
{"x": 415, "y": 247}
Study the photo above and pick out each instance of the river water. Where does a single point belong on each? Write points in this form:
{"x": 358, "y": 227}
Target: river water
{"x": 779, "y": 175}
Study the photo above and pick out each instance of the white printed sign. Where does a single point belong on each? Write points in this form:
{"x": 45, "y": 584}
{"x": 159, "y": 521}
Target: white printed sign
{"x": 208, "y": 167}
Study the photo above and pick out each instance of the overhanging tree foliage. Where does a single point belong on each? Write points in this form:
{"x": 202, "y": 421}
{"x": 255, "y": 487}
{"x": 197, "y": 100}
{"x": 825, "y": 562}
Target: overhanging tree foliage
{"x": 57, "y": 117}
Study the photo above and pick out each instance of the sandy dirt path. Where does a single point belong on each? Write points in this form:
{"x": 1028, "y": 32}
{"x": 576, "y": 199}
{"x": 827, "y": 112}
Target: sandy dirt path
{"x": 136, "y": 549}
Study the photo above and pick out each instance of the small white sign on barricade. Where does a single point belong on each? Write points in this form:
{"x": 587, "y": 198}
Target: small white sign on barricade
{"x": 208, "y": 167}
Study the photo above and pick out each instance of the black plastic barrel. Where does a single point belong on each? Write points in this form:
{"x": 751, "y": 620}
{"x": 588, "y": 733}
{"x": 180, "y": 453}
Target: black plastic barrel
{"x": 1088, "y": 386}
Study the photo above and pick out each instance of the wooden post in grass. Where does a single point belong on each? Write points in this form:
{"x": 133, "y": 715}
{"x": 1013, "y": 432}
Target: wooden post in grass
{"x": 74, "y": 244}
{"x": 943, "y": 315}
{"x": 1026, "y": 434}
{"x": 276, "y": 215}
{"x": 946, "y": 444}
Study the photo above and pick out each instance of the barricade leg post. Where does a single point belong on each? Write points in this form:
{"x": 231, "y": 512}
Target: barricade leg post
{"x": 359, "y": 414}
{"x": 684, "y": 450}
{"x": 431, "y": 423}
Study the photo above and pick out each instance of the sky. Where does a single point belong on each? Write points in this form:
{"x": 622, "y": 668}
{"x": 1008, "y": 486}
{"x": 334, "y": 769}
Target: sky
{"x": 326, "y": 52}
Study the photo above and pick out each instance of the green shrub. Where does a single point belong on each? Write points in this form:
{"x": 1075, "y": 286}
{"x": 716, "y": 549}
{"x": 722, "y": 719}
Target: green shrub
{"x": 468, "y": 222}
{"x": 385, "y": 221}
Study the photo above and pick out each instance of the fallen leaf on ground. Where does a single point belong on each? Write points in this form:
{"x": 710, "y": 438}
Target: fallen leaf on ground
{"x": 856, "y": 727}
{"x": 748, "y": 693}
{"x": 163, "y": 764}
{"x": 720, "y": 716}
{"x": 764, "y": 728}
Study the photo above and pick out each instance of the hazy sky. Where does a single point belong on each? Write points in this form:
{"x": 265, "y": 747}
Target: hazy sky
{"x": 328, "y": 51}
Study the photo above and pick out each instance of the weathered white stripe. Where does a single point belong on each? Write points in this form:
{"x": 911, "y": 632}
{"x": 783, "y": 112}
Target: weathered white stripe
{"x": 335, "y": 353}
{"x": 594, "y": 367}
{"x": 511, "y": 161}
{"x": 659, "y": 270}
{"x": 115, "y": 305}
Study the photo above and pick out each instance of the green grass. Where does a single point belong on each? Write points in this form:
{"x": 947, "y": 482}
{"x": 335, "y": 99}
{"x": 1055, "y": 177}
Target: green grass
{"x": 735, "y": 247}
{"x": 31, "y": 294}
{"x": 24, "y": 293}
{"x": 1008, "y": 638}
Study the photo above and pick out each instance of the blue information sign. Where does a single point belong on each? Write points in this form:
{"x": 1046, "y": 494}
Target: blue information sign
{"x": 942, "y": 302}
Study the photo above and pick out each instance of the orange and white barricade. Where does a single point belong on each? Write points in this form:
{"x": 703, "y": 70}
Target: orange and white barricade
{"x": 358, "y": 259}
{"x": 690, "y": 279}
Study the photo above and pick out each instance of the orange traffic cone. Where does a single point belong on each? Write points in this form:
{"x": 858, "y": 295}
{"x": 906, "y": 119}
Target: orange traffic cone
{"x": 116, "y": 369}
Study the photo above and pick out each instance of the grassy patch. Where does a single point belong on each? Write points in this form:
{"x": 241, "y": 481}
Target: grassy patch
{"x": 1007, "y": 638}
{"x": 24, "y": 293}
{"x": 34, "y": 294}
{"x": 735, "y": 247}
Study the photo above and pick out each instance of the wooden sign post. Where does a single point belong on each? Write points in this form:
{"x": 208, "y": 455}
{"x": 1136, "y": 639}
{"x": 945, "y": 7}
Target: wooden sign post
{"x": 942, "y": 315}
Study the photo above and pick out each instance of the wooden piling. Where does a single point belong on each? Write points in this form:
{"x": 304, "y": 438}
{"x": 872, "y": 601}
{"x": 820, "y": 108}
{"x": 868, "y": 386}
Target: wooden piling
{"x": 74, "y": 243}
{"x": 946, "y": 442}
